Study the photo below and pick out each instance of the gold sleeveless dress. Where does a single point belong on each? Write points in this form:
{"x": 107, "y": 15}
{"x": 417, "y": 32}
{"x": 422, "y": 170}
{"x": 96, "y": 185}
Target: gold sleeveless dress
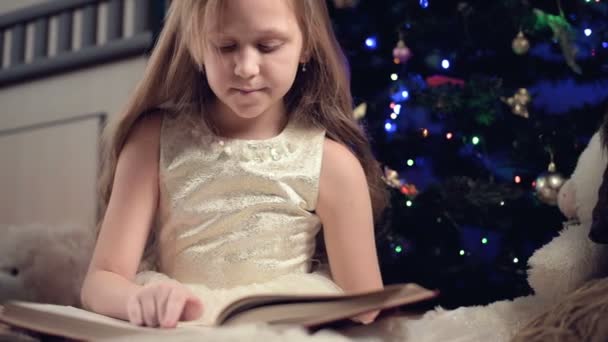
{"x": 236, "y": 217}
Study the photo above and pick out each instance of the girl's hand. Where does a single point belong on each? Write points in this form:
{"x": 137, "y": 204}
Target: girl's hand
{"x": 367, "y": 317}
{"x": 163, "y": 304}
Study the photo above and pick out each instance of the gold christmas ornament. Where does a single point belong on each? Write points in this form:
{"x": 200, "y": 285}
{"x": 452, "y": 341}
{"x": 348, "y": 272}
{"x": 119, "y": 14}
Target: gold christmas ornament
{"x": 519, "y": 102}
{"x": 360, "y": 111}
{"x": 520, "y": 44}
{"x": 401, "y": 52}
{"x": 548, "y": 185}
{"x": 391, "y": 178}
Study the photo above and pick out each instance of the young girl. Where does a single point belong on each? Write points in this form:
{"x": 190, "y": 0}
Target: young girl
{"x": 236, "y": 148}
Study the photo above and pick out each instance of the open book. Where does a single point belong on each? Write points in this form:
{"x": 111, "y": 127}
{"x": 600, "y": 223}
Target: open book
{"x": 308, "y": 311}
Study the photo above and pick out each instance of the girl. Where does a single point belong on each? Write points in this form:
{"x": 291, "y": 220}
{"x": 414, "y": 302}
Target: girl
{"x": 237, "y": 146}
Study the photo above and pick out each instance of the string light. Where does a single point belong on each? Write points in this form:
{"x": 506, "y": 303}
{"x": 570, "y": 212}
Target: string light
{"x": 398, "y": 249}
{"x": 405, "y": 94}
{"x": 392, "y": 105}
{"x": 445, "y": 64}
{"x": 425, "y": 132}
{"x": 371, "y": 43}
{"x": 410, "y": 162}
{"x": 515, "y": 260}
{"x": 502, "y": 203}
{"x": 393, "y": 116}
{"x": 484, "y": 241}
{"x": 390, "y": 127}
{"x": 462, "y": 252}
{"x": 605, "y": 45}
{"x": 397, "y": 109}
{"x": 588, "y": 32}
{"x": 517, "y": 179}
{"x": 409, "y": 203}
{"x": 424, "y": 3}
{"x": 475, "y": 140}
{"x": 394, "y": 77}
{"x": 449, "y": 135}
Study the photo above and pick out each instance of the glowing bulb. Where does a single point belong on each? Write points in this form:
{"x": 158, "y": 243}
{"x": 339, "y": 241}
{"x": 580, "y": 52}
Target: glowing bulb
{"x": 425, "y": 132}
{"x": 424, "y": 3}
{"x": 408, "y": 203}
{"x": 484, "y": 240}
{"x": 461, "y": 252}
{"x": 371, "y": 42}
{"x": 397, "y": 109}
{"x": 517, "y": 179}
{"x": 393, "y": 116}
{"x": 588, "y": 32}
{"x": 388, "y": 126}
{"x": 410, "y": 162}
{"x": 394, "y": 77}
{"x": 475, "y": 140}
{"x": 515, "y": 260}
{"x": 449, "y": 135}
{"x": 392, "y": 105}
{"x": 445, "y": 64}
{"x": 405, "y": 94}
{"x": 502, "y": 203}
{"x": 398, "y": 249}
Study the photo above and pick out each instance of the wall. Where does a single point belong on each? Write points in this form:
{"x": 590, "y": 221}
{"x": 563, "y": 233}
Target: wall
{"x": 49, "y": 139}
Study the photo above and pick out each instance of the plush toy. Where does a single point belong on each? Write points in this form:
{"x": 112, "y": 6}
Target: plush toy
{"x": 44, "y": 263}
{"x": 569, "y": 262}
{"x": 571, "y": 259}
{"x": 582, "y": 314}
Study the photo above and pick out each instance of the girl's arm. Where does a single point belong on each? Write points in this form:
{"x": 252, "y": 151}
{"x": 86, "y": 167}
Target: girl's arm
{"x": 344, "y": 207}
{"x": 126, "y": 224}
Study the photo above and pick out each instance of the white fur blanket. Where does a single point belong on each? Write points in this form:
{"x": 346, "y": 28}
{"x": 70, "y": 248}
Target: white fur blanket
{"x": 496, "y": 322}
{"x": 557, "y": 268}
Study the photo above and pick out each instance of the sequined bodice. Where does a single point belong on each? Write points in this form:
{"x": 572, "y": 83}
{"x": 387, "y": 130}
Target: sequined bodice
{"x": 235, "y": 212}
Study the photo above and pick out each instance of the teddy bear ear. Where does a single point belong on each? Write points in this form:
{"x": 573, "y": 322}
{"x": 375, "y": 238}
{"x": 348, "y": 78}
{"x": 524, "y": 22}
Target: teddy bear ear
{"x": 599, "y": 225}
{"x": 587, "y": 178}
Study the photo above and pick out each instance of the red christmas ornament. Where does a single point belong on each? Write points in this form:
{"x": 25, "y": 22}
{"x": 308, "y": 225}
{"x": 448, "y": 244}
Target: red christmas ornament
{"x": 439, "y": 80}
{"x": 401, "y": 53}
{"x": 409, "y": 190}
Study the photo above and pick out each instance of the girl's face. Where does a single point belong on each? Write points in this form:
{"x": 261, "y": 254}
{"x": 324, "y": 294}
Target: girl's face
{"x": 252, "y": 59}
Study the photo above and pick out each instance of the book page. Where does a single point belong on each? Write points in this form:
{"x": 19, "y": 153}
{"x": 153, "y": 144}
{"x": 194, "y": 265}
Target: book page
{"x": 73, "y": 322}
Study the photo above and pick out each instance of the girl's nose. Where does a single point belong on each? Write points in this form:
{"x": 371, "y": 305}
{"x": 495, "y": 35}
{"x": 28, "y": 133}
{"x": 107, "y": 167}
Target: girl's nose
{"x": 247, "y": 64}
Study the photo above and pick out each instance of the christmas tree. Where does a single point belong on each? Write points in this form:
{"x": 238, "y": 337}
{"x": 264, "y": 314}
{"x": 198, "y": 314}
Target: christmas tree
{"x": 478, "y": 110}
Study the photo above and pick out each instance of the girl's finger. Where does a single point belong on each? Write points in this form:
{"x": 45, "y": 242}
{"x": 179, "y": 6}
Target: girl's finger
{"x": 193, "y": 308}
{"x": 148, "y": 307}
{"x": 134, "y": 311}
{"x": 161, "y": 303}
{"x": 175, "y": 305}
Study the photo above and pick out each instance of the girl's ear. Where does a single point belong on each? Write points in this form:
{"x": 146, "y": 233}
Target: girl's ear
{"x": 305, "y": 56}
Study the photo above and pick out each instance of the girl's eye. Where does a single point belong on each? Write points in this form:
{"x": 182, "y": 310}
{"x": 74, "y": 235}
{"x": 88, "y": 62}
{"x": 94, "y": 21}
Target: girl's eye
{"x": 268, "y": 47}
{"x": 227, "y": 48}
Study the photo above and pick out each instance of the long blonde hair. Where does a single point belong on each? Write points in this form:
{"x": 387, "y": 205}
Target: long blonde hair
{"x": 321, "y": 95}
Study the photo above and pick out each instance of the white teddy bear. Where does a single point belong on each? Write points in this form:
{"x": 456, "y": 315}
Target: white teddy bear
{"x": 44, "y": 263}
{"x": 571, "y": 259}
{"x": 566, "y": 263}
